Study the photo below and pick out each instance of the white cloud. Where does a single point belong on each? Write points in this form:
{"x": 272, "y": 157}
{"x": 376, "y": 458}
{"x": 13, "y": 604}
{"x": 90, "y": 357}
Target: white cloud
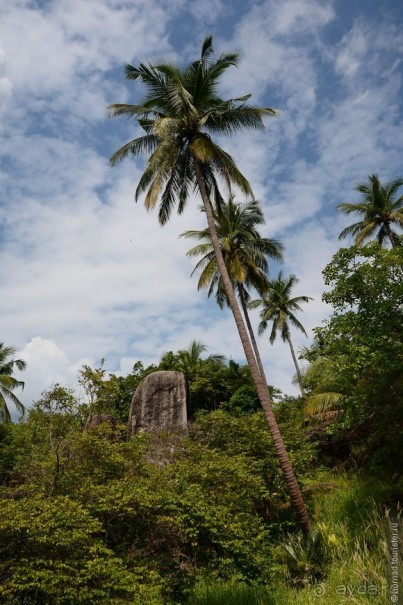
{"x": 362, "y": 51}
{"x": 5, "y": 84}
{"x": 47, "y": 364}
{"x": 295, "y": 16}
{"x": 207, "y": 11}
{"x": 353, "y": 50}
{"x": 63, "y": 51}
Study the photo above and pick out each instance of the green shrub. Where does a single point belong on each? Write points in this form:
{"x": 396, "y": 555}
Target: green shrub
{"x": 52, "y": 552}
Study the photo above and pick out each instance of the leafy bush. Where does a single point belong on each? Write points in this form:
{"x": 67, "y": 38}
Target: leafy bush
{"x": 158, "y": 510}
{"x": 52, "y": 552}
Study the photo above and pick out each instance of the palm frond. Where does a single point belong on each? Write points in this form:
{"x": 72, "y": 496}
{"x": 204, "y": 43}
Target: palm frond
{"x": 365, "y": 233}
{"x": 296, "y": 323}
{"x": 207, "y": 49}
{"x": 180, "y": 104}
{"x": 348, "y": 208}
{"x": 124, "y": 109}
{"x": 150, "y": 75}
{"x": 351, "y": 230}
{"x": 8, "y": 383}
{"x": 205, "y": 249}
{"x": 320, "y": 403}
{"x": 228, "y": 170}
{"x": 231, "y": 119}
{"x": 146, "y": 144}
{"x": 193, "y": 234}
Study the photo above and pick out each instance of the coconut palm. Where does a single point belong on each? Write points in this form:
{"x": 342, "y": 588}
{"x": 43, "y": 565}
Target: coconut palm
{"x": 179, "y": 113}
{"x": 245, "y": 254}
{"x": 278, "y": 307}
{"x": 321, "y": 380}
{"x": 379, "y": 208}
{"x": 8, "y": 383}
{"x": 188, "y": 360}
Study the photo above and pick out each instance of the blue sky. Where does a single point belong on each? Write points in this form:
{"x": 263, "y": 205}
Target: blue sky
{"x": 86, "y": 272}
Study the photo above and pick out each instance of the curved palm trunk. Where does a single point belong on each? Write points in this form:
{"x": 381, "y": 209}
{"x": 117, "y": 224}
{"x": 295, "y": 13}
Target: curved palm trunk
{"x": 264, "y": 396}
{"x": 299, "y": 375}
{"x": 252, "y": 334}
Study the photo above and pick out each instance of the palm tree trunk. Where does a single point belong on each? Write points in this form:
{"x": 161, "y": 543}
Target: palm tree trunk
{"x": 299, "y": 375}
{"x": 263, "y": 394}
{"x": 251, "y": 334}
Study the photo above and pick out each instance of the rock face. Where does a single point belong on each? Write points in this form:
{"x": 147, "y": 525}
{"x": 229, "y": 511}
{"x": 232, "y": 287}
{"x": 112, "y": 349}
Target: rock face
{"x": 110, "y": 426}
{"x": 159, "y": 403}
{"x": 96, "y": 420}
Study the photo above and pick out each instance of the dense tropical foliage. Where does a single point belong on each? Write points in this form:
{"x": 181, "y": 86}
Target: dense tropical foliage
{"x": 362, "y": 347}
{"x": 88, "y": 516}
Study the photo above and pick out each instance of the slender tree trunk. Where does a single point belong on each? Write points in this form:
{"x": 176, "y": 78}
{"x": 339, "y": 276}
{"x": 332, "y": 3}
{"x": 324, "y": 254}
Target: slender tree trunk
{"x": 252, "y": 334}
{"x": 299, "y": 375}
{"x": 263, "y": 394}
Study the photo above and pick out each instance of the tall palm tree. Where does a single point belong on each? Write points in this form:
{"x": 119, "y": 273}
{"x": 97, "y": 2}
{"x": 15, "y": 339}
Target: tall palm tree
{"x": 178, "y": 114}
{"x": 278, "y": 307}
{"x": 245, "y": 254}
{"x": 8, "y": 383}
{"x": 379, "y": 208}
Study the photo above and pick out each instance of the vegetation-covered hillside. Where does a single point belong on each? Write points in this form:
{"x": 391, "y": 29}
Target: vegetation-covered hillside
{"x": 88, "y": 516}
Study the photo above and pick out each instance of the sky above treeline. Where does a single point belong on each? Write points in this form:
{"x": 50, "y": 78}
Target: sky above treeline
{"x": 86, "y": 272}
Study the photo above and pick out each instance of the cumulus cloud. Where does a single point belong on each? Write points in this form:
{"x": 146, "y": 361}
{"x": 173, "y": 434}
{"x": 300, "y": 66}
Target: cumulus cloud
{"x": 63, "y": 51}
{"x": 208, "y": 11}
{"x": 47, "y": 364}
{"x": 297, "y": 16}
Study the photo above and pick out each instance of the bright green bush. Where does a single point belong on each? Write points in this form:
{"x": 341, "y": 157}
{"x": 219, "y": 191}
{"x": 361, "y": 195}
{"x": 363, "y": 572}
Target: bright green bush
{"x": 52, "y": 552}
{"x": 158, "y": 510}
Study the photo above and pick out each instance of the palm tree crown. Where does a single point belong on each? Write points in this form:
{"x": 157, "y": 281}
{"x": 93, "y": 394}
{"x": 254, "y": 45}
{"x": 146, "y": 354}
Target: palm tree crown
{"x": 189, "y": 360}
{"x": 245, "y": 255}
{"x": 245, "y": 252}
{"x": 279, "y": 308}
{"x": 178, "y": 114}
{"x": 379, "y": 208}
{"x": 8, "y": 383}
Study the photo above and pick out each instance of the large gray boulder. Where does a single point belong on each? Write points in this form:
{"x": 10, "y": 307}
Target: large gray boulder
{"x": 159, "y": 404}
